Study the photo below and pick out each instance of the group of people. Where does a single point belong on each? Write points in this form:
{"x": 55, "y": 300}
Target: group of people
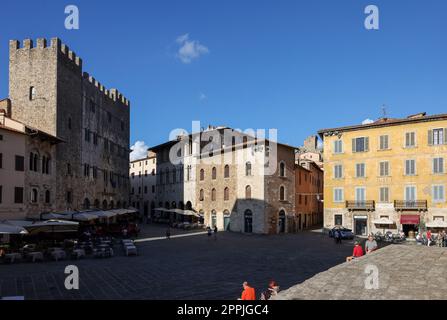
{"x": 249, "y": 292}
{"x": 370, "y": 246}
{"x": 440, "y": 240}
{"x": 210, "y": 231}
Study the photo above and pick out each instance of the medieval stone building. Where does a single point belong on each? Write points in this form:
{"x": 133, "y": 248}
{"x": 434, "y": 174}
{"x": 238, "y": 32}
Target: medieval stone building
{"x": 50, "y": 92}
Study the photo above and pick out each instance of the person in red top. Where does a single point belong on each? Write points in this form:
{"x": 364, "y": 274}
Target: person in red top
{"x": 248, "y": 293}
{"x": 428, "y": 238}
{"x": 356, "y": 253}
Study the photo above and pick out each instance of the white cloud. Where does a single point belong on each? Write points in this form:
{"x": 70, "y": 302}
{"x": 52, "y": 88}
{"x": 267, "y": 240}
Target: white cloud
{"x": 139, "y": 150}
{"x": 367, "y": 121}
{"x": 202, "y": 96}
{"x": 189, "y": 49}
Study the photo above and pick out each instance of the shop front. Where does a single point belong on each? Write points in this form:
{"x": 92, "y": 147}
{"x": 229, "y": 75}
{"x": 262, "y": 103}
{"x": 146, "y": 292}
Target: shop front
{"x": 410, "y": 224}
{"x": 361, "y": 225}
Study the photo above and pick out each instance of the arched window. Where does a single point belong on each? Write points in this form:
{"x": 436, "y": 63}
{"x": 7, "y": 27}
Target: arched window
{"x": 213, "y": 194}
{"x": 226, "y": 194}
{"x": 46, "y": 164}
{"x": 248, "y": 169}
{"x": 31, "y": 161}
{"x": 32, "y": 93}
{"x": 201, "y": 195}
{"x": 227, "y": 171}
{"x": 214, "y": 173}
{"x": 282, "y": 169}
{"x": 245, "y": 141}
{"x": 248, "y": 192}
{"x": 34, "y": 195}
{"x": 202, "y": 174}
{"x": 282, "y": 194}
{"x": 188, "y": 205}
{"x": 36, "y": 162}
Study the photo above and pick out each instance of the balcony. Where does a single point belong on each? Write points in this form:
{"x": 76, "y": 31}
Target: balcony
{"x": 367, "y": 205}
{"x": 407, "y": 205}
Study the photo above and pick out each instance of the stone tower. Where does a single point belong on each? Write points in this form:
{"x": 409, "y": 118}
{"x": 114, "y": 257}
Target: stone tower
{"x": 49, "y": 91}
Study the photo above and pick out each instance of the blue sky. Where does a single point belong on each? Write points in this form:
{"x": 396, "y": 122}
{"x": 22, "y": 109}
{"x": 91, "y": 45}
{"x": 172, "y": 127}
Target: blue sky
{"x": 297, "y": 66}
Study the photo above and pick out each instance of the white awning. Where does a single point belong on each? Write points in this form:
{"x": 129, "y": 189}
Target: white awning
{"x": 48, "y": 226}
{"x": 436, "y": 224}
{"x": 383, "y": 221}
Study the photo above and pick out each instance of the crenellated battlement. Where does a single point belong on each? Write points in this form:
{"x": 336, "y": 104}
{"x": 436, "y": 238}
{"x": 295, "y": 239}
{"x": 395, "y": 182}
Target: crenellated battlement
{"x": 62, "y": 49}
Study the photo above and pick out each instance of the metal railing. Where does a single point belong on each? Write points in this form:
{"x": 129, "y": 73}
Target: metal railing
{"x": 420, "y": 205}
{"x": 361, "y": 205}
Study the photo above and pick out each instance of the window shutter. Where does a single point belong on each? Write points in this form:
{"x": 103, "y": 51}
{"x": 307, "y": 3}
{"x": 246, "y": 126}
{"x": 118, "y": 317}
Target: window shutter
{"x": 353, "y": 145}
{"x": 445, "y": 135}
{"x": 430, "y": 137}
{"x": 366, "y": 144}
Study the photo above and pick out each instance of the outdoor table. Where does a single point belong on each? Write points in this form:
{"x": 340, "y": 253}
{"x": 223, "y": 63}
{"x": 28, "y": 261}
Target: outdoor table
{"x": 78, "y": 253}
{"x": 13, "y": 256}
{"x": 35, "y": 256}
{"x": 130, "y": 249}
{"x": 58, "y": 254}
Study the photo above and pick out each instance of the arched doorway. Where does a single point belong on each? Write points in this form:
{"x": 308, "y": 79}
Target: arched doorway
{"x": 86, "y": 204}
{"x": 181, "y": 205}
{"x": 282, "y": 221}
{"x": 226, "y": 220}
{"x": 112, "y": 204}
{"x": 188, "y": 205}
{"x": 104, "y": 204}
{"x": 96, "y": 204}
{"x": 213, "y": 218}
{"x": 248, "y": 221}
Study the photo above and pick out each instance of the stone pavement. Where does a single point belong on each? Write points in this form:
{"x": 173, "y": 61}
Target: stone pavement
{"x": 192, "y": 267}
{"x": 404, "y": 272}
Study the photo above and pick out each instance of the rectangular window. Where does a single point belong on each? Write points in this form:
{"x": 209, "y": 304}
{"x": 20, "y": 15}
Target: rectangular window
{"x": 20, "y": 163}
{"x": 153, "y": 189}
{"x": 384, "y": 168}
{"x": 338, "y": 171}
{"x": 338, "y": 195}
{"x": 18, "y": 195}
{"x": 338, "y": 220}
{"x": 383, "y": 142}
{"x": 410, "y": 139}
{"x": 1, "y": 160}
{"x": 436, "y": 136}
{"x": 87, "y": 135}
{"x": 410, "y": 167}
{"x": 1, "y": 192}
{"x": 360, "y": 194}
{"x": 384, "y": 195}
{"x": 68, "y": 197}
{"x": 438, "y": 193}
{"x": 95, "y": 138}
{"x": 410, "y": 193}
{"x": 338, "y": 146}
{"x": 438, "y": 165}
{"x": 360, "y": 170}
{"x": 360, "y": 144}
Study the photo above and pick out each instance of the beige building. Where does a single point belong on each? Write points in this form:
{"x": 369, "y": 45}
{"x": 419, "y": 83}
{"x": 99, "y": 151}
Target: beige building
{"x": 142, "y": 173}
{"x": 27, "y": 168}
{"x": 386, "y": 175}
{"x": 225, "y": 176}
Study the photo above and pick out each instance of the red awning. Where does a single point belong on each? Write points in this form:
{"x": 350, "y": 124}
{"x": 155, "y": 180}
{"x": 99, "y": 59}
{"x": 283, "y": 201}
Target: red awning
{"x": 409, "y": 219}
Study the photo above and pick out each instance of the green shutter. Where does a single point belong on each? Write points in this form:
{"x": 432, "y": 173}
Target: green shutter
{"x": 366, "y": 144}
{"x": 430, "y": 137}
{"x": 353, "y": 145}
{"x": 445, "y": 135}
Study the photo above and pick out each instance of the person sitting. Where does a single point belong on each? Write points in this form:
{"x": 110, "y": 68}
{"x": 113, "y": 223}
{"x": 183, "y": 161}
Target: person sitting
{"x": 370, "y": 244}
{"x": 248, "y": 293}
{"x": 356, "y": 253}
{"x": 271, "y": 291}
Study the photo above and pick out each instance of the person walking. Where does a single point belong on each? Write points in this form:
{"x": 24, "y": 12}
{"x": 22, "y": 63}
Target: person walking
{"x": 271, "y": 291}
{"x": 168, "y": 233}
{"x": 337, "y": 236}
{"x": 356, "y": 252}
{"x": 428, "y": 238}
{"x": 248, "y": 293}
{"x": 208, "y": 231}
{"x": 370, "y": 244}
{"x": 215, "y": 233}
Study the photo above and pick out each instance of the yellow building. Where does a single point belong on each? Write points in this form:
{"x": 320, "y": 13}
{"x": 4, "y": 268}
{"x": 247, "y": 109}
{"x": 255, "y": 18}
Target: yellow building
{"x": 386, "y": 175}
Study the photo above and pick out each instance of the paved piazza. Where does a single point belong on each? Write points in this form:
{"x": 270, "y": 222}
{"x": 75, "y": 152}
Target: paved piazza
{"x": 191, "y": 267}
{"x": 404, "y": 272}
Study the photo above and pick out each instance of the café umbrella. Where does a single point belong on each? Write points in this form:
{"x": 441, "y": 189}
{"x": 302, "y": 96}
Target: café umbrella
{"x": 6, "y": 228}
{"x": 48, "y": 226}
